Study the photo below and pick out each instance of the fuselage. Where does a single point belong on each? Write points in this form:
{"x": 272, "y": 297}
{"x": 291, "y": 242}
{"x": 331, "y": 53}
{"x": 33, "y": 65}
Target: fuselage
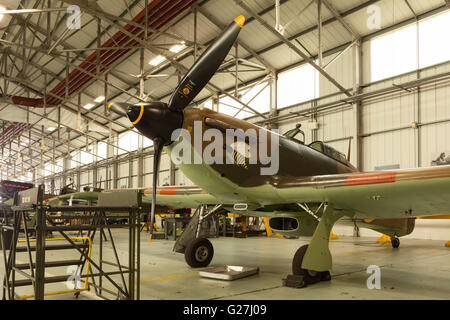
{"x": 236, "y": 182}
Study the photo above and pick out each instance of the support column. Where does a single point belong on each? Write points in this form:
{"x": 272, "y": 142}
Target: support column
{"x": 273, "y": 98}
{"x": 140, "y": 171}
{"x": 419, "y": 102}
{"x": 357, "y": 106}
{"x": 195, "y": 9}
{"x": 215, "y": 102}
{"x": 115, "y": 174}
{"x": 172, "y": 173}
{"x": 319, "y": 24}
{"x": 130, "y": 173}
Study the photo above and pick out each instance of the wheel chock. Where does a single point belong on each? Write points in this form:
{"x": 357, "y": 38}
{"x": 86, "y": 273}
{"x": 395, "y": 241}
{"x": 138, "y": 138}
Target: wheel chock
{"x": 333, "y": 236}
{"x": 447, "y": 244}
{"x": 293, "y": 281}
{"x": 384, "y": 239}
{"x": 298, "y": 281}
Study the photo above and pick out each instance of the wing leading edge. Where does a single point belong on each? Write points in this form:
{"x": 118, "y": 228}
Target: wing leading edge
{"x": 180, "y": 197}
{"x": 389, "y": 194}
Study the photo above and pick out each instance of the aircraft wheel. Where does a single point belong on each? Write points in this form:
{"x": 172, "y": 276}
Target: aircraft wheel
{"x": 199, "y": 253}
{"x": 309, "y": 276}
{"x": 395, "y": 241}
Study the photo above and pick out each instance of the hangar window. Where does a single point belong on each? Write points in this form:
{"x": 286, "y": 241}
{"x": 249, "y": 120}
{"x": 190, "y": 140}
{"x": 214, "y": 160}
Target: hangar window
{"x": 296, "y": 86}
{"x": 208, "y": 104}
{"x": 229, "y": 106}
{"x": 74, "y": 159}
{"x": 257, "y": 97}
{"x": 48, "y": 169}
{"x": 86, "y": 157}
{"x": 394, "y": 53}
{"x": 146, "y": 143}
{"x": 59, "y": 165}
{"x": 102, "y": 150}
{"x": 128, "y": 142}
{"x": 433, "y": 49}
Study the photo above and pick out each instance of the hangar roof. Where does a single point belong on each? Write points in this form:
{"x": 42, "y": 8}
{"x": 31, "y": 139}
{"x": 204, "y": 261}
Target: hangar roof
{"x": 39, "y": 53}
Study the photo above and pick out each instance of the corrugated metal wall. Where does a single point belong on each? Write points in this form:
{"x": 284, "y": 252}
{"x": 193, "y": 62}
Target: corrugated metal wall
{"x": 387, "y": 135}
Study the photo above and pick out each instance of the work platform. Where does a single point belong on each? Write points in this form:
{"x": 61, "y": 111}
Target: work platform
{"x": 36, "y": 229}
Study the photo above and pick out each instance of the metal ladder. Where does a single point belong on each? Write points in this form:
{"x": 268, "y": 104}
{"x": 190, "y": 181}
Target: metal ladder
{"x": 33, "y": 272}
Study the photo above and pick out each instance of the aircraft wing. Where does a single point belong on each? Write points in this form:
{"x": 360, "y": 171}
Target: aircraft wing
{"x": 70, "y": 197}
{"x": 180, "y": 197}
{"x": 170, "y": 197}
{"x": 385, "y": 194}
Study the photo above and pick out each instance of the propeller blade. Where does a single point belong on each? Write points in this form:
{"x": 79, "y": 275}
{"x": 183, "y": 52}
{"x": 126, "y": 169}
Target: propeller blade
{"x": 158, "y": 145}
{"x": 119, "y": 108}
{"x": 205, "y": 67}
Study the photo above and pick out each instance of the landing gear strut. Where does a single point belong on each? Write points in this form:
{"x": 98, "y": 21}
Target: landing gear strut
{"x": 312, "y": 262}
{"x": 395, "y": 242}
{"x": 309, "y": 276}
{"x": 198, "y": 251}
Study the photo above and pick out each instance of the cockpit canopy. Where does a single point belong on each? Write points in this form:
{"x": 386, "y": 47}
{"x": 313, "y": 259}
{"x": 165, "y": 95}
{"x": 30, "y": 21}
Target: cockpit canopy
{"x": 291, "y": 134}
{"x": 317, "y": 145}
{"x": 329, "y": 151}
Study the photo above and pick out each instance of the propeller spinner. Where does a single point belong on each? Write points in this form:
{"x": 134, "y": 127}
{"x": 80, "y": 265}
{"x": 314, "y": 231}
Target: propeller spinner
{"x": 158, "y": 120}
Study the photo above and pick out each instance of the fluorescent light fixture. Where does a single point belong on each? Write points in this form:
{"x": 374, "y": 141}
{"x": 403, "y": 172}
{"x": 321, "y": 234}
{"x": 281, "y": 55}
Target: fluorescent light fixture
{"x": 99, "y": 99}
{"x": 89, "y": 106}
{"x": 177, "y": 48}
{"x": 51, "y": 129}
{"x": 158, "y": 60}
{"x": 2, "y": 9}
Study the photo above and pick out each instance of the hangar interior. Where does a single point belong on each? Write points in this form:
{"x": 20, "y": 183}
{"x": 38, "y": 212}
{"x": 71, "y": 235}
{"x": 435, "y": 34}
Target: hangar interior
{"x": 369, "y": 78}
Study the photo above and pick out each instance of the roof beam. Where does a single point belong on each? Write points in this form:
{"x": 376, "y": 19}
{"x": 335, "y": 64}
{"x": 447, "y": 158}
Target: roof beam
{"x": 174, "y": 62}
{"x": 338, "y": 16}
{"x": 292, "y": 46}
{"x": 216, "y": 22}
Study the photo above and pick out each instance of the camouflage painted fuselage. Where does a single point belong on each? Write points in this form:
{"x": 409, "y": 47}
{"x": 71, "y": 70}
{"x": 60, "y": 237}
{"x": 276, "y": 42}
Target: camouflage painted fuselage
{"x": 233, "y": 183}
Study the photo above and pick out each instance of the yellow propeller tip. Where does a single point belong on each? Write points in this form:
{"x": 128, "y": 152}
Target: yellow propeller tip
{"x": 240, "y": 20}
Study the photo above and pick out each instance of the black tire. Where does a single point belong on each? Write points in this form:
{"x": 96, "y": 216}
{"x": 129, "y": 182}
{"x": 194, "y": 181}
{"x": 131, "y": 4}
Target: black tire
{"x": 395, "y": 242}
{"x": 199, "y": 253}
{"x": 309, "y": 276}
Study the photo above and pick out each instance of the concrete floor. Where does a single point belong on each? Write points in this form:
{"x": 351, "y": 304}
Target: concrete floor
{"x": 420, "y": 269}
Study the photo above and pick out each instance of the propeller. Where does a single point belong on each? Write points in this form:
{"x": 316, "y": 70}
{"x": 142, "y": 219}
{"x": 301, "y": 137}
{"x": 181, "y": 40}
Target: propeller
{"x": 158, "y": 120}
{"x": 119, "y": 108}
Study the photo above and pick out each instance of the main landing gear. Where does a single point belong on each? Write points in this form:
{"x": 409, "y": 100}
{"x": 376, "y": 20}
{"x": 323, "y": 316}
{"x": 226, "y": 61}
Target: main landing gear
{"x": 198, "y": 251}
{"x": 395, "y": 242}
{"x": 309, "y": 276}
{"x": 312, "y": 262}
